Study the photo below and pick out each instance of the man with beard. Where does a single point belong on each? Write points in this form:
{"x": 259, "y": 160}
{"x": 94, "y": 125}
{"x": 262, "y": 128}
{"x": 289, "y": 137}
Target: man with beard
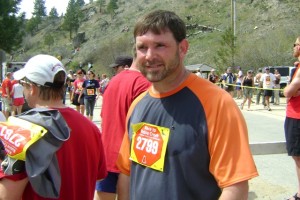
{"x": 292, "y": 120}
{"x": 180, "y": 143}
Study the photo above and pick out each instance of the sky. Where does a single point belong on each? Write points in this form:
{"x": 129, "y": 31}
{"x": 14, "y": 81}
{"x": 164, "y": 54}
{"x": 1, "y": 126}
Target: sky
{"x": 60, "y": 5}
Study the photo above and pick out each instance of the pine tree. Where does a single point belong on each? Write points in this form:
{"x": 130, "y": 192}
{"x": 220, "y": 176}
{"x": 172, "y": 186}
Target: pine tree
{"x": 80, "y": 2}
{"x": 225, "y": 54}
{"x": 112, "y": 6}
{"x": 48, "y": 40}
{"x": 31, "y": 26}
{"x": 53, "y": 14}
{"x": 72, "y": 18}
{"x": 10, "y": 25}
{"x": 39, "y": 11}
{"x": 39, "y": 8}
{"x": 101, "y": 4}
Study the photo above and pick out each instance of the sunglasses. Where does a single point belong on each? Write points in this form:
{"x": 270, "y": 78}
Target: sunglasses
{"x": 23, "y": 83}
{"x": 296, "y": 44}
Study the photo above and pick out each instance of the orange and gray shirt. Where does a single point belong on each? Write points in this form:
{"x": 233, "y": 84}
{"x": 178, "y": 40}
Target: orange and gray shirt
{"x": 185, "y": 144}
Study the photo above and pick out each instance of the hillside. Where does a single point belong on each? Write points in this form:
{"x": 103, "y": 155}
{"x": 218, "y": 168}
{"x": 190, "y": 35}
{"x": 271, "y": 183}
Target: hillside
{"x": 265, "y": 31}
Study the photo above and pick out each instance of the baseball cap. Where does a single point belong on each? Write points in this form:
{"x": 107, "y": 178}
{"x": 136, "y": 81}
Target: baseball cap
{"x": 41, "y": 69}
{"x": 122, "y": 61}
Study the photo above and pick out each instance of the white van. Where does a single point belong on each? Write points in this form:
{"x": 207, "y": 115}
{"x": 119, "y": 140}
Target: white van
{"x": 285, "y": 72}
{"x": 11, "y": 67}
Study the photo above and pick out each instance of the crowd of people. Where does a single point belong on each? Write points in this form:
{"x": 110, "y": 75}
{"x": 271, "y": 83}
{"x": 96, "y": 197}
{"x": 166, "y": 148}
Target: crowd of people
{"x": 161, "y": 137}
{"x": 264, "y": 84}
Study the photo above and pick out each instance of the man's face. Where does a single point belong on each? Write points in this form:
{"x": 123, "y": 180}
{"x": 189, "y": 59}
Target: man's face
{"x": 28, "y": 94}
{"x": 159, "y": 56}
{"x": 297, "y": 49}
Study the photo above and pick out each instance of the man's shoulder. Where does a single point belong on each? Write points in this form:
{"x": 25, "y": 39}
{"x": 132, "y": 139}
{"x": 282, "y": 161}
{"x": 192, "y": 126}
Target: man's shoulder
{"x": 6, "y": 80}
{"x": 128, "y": 76}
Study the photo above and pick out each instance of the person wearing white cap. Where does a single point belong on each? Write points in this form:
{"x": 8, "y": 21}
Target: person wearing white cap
{"x": 43, "y": 78}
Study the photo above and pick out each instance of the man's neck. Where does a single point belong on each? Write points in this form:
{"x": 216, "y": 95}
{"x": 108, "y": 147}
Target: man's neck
{"x": 50, "y": 104}
{"x": 171, "y": 83}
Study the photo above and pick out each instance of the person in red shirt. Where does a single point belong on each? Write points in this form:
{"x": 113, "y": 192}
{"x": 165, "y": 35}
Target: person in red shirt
{"x": 120, "y": 93}
{"x": 79, "y": 160}
{"x": 6, "y": 98}
{"x": 292, "y": 120}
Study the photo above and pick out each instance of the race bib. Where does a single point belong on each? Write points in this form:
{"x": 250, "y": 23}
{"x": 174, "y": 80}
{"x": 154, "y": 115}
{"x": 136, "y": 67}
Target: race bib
{"x": 268, "y": 80}
{"x": 149, "y": 144}
{"x": 90, "y": 91}
{"x": 17, "y": 135}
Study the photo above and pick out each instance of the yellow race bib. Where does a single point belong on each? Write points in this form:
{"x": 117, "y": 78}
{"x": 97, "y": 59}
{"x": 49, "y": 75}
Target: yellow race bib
{"x": 149, "y": 144}
{"x": 90, "y": 91}
{"x": 17, "y": 135}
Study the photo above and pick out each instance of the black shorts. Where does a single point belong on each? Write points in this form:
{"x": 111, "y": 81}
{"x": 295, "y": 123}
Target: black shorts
{"x": 268, "y": 93}
{"x": 230, "y": 88}
{"x": 292, "y": 136}
{"x": 75, "y": 100}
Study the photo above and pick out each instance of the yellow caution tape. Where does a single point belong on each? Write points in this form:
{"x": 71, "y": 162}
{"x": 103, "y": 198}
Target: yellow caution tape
{"x": 227, "y": 84}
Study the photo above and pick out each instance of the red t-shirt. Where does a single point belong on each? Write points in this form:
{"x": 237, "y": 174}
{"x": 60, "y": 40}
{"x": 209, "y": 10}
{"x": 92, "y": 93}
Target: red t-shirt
{"x": 119, "y": 94}
{"x": 81, "y": 160}
{"x": 6, "y": 84}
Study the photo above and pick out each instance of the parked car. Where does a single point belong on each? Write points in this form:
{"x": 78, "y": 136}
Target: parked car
{"x": 285, "y": 72}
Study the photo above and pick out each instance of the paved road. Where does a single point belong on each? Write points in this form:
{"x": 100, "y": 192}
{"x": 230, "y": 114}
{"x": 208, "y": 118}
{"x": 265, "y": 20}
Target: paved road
{"x": 277, "y": 178}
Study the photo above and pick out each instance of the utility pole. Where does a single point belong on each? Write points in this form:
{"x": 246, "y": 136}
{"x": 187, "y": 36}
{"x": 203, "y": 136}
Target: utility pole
{"x": 233, "y": 25}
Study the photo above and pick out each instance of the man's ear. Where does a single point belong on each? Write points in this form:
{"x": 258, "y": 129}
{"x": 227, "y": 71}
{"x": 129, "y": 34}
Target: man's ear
{"x": 33, "y": 89}
{"x": 183, "y": 48}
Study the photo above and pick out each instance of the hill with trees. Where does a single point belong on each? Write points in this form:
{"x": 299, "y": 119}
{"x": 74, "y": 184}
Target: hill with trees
{"x": 97, "y": 32}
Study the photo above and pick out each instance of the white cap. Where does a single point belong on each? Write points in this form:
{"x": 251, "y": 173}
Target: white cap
{"x": 41, "y": 69}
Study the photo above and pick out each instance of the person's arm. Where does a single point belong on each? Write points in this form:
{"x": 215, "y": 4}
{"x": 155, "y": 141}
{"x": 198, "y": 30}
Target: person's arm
{"x": 238, "y": 191}
{"x": 7, "y": 92}
{"x": 293, "y": 88}
{"x": 242, "y": 83}
{"x": 224, "y": 81}
{"x": 12, "y": 91}
{"x": 12, "y": 190}
{"x": 123, "y": 187}
{"x": 73, "y": 91}
{"x": 80, "y": 94}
